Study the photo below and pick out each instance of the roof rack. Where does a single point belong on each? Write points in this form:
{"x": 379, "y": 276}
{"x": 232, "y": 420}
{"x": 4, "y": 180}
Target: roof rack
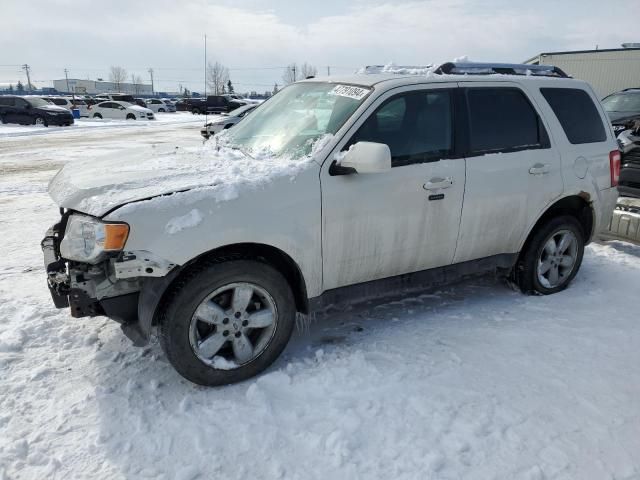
{"x": 500, "y": 68}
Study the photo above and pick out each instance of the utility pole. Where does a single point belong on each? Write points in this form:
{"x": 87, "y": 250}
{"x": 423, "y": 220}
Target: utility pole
{"x": 26, "y": 68}
{"x": 151, "y": 73}
{"x": 328, "y": 71}
{"x": 294, "y": 72}
{"x": 73, "y": 95}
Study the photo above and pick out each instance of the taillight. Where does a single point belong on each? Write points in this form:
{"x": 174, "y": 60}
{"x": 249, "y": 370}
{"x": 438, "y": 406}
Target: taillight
{"x": 614, "y": 165}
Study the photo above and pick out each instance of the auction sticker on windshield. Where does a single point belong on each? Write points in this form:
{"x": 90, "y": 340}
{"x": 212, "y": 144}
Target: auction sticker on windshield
{"x": 357, "y": 93}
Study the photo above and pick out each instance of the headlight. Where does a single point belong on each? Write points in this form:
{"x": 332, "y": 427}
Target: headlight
{"x": 86, "y": 239}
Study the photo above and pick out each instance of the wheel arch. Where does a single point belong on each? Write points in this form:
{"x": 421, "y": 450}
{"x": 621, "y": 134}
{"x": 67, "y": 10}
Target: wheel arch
{"x": 578, "y": 206}
{"x": 155, "y": 290}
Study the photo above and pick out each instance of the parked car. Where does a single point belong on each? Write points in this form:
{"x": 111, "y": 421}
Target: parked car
{"x": 70, "y": 103}
{"x": 217, "y": 104}
{"x": 411, "y": 181}
{"x": 121, "y": 110}
{"x": 193, "y": 105}
{"x": 629, "y": 141}
{"x": 32, "y": 111}
{"x": 623, "y": 108}
{"x": 118, "y": 97}
{"x": 158, "y": 105}
{"x": 226, "y": 120}
{"x": 240, "y": 98}
{"x": 141, "y": 102}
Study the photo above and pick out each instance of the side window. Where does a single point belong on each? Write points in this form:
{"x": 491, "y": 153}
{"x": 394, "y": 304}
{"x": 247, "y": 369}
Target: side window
{"x": 59, "y": 101}
{"x": 502, "y": 119}
{"x": 417, "y": 127}
{"x": 6, "y": 101}
{"x": 576, "y": 113}
{"x": 20, "y": 103}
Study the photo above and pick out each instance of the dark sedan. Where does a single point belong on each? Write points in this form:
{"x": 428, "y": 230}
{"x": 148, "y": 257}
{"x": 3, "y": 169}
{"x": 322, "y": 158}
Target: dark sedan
{"x": 32, "y": 111}
{"x": 623, "y": 108}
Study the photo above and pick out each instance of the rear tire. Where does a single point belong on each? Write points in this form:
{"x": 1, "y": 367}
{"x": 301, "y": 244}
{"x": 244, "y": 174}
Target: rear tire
{"x": 161, "y": 110}
{"x": 97, "y": 115}
{"x": 195, "y": 111}
{"x": 551, "y": 258}
{"x": 214, "y": 287}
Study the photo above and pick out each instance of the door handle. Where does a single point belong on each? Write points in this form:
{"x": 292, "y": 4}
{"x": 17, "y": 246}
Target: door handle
{"x": 540, "y": 169}
{"x": 437, "y": 183}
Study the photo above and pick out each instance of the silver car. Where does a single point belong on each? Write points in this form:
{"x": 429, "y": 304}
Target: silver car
{"x": 226, "y": 120}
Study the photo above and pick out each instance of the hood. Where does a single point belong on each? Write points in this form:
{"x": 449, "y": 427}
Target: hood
{"x": 53, "y": 108}
{"x": 138, "y": 108}
{"x": 623, "y": 117}
{"x": 97, "y": 186}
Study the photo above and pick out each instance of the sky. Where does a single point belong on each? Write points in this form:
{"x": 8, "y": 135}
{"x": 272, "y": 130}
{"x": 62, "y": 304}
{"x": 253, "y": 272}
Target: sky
{"x": 256, "y": 39}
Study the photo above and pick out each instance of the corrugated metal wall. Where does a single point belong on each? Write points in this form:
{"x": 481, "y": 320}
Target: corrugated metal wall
{"x": 606, "y": 71}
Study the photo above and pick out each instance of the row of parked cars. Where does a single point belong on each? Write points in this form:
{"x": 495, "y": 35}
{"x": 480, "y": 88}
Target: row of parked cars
{"x": 57, "y": 110}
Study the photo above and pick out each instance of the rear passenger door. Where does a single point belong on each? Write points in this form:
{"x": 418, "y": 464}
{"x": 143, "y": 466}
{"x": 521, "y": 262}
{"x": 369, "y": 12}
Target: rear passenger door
{"x": 512, "y": 173}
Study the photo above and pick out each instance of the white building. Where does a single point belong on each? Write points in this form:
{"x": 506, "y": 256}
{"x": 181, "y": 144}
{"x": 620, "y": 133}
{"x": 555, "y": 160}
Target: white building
{"x": 92, "y": 87}
{"x": 608, "y": 70}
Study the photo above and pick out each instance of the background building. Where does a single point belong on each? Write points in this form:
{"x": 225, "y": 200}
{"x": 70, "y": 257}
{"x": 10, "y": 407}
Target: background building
{"x": 92, "y": 87}
{"x": 608, "y": 70}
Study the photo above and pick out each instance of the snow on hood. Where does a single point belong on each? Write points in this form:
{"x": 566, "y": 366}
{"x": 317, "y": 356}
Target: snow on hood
{"x": 138, "y": 108}
{"x": 98, "y": 185}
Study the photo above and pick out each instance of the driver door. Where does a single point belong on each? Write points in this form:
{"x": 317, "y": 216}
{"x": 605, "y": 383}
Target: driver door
{"x": 407, "y": 218}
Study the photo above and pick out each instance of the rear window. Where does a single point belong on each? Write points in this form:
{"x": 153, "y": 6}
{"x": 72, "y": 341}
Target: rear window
{"x": 576, "y": 113}
{"x": 502, "y": 119}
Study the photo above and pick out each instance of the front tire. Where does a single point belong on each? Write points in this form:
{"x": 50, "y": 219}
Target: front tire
{"x": 551, "y": 258}
{"x": 131, "y": 116}
{"x": 97, "y": 115}
{"x": 40, "y": 121}
{"x": 226, "y": 322}
{"x": 195, "y": 111}
{"x": 161, "y": 110}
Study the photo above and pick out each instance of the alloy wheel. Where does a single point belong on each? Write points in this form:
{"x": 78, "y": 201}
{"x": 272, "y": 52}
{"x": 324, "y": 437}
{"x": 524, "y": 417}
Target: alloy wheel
{"x": 233, "y": 325}
{"x": 557, "y": 259}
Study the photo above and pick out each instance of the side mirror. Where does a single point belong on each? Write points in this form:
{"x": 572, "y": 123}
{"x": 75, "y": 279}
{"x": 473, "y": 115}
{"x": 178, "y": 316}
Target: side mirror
{"x": 364, "y": 157}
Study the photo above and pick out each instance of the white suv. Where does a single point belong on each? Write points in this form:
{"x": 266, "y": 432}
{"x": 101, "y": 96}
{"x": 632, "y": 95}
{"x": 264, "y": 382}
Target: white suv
{"x": 334, "y": 190}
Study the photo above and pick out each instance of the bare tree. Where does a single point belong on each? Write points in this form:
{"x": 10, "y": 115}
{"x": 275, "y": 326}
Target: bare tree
{"x": 308, "y": 70}
{"x": 217, "y": 78}
{"x": 290, "y": 75}
{"x": 117, "y": 75}
{"x": 137, "y": 83}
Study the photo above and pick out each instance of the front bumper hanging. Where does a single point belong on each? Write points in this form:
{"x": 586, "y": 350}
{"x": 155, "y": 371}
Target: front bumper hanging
{"x": 56, "y": 269}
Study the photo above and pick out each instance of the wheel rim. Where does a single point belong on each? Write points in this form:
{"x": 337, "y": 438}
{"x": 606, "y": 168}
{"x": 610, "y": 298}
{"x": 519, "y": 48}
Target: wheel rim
{"x": 557, "y": 259}
{"x": 233, "y": 325}
{"x": 39, "y": 121}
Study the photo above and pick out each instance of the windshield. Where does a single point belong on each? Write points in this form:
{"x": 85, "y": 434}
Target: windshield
{"x": 291, "y": 121}
{"x": 622, "y": 102}
{"x": 37, "y": 102}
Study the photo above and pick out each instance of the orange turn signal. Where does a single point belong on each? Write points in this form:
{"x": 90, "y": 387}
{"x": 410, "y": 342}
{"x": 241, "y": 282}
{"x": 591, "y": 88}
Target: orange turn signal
{"x": 115, "y": 236}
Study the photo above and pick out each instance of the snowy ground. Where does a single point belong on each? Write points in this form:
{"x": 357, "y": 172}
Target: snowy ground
{"x": 473, "y": 381}
{"x": 162, "y": 119}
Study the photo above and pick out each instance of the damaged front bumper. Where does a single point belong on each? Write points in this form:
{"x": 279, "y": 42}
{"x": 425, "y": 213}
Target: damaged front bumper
{"x": 126, "y": 288}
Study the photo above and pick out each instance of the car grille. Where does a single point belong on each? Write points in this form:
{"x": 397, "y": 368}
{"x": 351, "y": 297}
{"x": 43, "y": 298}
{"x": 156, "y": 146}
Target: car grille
{"x": 633, "y": 156}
